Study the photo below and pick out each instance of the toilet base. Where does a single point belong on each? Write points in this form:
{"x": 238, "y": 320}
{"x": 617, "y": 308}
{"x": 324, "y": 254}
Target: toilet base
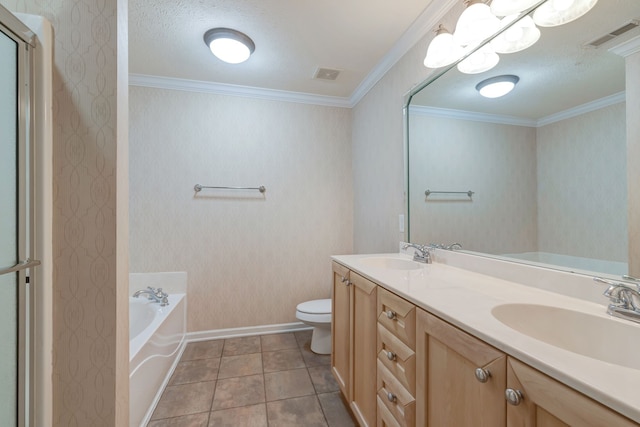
{"x": 321, "y": 340}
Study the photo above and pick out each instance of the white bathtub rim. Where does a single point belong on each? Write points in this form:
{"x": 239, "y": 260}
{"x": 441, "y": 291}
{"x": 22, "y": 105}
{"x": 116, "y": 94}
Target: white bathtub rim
{"x": 138, "y": 342}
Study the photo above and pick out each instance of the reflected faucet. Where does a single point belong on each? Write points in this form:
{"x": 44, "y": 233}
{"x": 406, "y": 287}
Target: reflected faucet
{"x": 624, "y": 299}
{"x": 155, "y": 295}
{"x": 421, "y": 254}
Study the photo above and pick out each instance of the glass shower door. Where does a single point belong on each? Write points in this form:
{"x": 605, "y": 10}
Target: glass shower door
{"x": 9, "y": 207}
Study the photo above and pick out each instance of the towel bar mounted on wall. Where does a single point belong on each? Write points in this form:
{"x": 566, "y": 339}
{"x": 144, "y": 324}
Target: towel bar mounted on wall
{"x": 468, "y": 193}
{"x": 199, "y": 188}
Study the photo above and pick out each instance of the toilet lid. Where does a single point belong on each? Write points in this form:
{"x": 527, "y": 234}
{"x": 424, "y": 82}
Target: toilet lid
{"x": 317, "y": 306}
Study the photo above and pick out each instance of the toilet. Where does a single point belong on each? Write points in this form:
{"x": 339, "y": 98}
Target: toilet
{"x": 317, "y": 313}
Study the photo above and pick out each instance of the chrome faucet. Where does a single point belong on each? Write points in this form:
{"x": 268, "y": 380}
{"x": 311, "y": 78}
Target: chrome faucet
{"x": 624, "y": 299}
{"x": 155, "y": 295}
{"x": 421, "y": 254}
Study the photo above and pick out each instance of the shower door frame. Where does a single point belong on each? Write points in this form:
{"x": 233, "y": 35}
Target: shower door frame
{"x": 26, "y": 41}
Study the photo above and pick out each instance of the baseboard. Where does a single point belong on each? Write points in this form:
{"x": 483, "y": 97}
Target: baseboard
{"x": 216, "y": 334}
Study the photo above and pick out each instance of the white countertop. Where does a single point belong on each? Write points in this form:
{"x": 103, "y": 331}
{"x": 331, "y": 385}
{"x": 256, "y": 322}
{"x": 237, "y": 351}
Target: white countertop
{"x": 465, "y": 299}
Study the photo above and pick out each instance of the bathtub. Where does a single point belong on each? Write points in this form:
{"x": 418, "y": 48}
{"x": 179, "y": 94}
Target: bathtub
{"x": 156, "y": 340}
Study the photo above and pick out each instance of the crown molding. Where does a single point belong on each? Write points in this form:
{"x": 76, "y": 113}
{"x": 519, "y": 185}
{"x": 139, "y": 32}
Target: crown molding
{"x": 427, "y": 20}
{"x": 517, "y": 121}
{"x": 235, "y": 90}
{"x": 469, "y": 115}
{"x": 627, "y": 48}
{"x": 582, "y": 109}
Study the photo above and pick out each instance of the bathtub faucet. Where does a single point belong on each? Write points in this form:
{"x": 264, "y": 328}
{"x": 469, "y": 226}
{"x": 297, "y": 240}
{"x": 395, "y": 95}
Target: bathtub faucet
{"x": 154, "y": 295}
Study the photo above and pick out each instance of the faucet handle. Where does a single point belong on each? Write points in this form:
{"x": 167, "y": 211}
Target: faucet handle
{"x": 612, "y": 284}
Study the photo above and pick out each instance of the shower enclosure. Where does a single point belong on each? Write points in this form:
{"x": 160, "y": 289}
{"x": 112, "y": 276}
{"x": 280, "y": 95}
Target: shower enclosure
{"x": 17, "y": 266}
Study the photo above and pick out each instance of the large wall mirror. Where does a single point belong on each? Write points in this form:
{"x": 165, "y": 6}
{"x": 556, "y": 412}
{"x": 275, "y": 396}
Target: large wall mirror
{"x": 538, "y": 175}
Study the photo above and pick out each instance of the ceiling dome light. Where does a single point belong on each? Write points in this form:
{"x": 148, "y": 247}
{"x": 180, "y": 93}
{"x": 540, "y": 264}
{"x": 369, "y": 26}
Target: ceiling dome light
{"x": 510, "y": 7}
{"x": 476, "y": 24}
{"x": 558, "y": 12}
{"x": 229, "y": 45}
{"x": 479, "y": 61}
{"x": 498, "y": 86}
{"x": 519, "y": 36}
{"x": 442, "y": 50}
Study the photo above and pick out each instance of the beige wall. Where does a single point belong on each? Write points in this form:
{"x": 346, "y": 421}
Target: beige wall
{"x": 90, "y": 345}
{"x": 250, "y": 258}
{"x": 496, "y": 161}
{"x": 582, "y": 185}
{"x": 633, "y": 154}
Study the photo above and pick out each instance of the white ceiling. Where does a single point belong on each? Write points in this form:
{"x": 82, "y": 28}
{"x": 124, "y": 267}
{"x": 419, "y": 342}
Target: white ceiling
{"x": 293, "y": 38}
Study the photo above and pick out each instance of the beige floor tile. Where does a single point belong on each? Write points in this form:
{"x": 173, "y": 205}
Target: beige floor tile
{"x": 335, "y": 411}
{"x": 303, "y": 337}
{"x": 301, "y": 411}
{"x": 242, "y": 345}
{"x": 322, "y": 379}
{"x": 287, "y": 384}
{"x": 196, "y": 420}
{"x": 185, "y": 399}
{"x": 282, "y": 360}
{"x": 237, "y": 392}
{"x": 193, "y": 371}
{"x": 203, "y": 350}
{"x": 313, "y": 359}
{"x": 238, "y": 366}
{"x": 246, "y": 416}
{"x": 275, "y": 342}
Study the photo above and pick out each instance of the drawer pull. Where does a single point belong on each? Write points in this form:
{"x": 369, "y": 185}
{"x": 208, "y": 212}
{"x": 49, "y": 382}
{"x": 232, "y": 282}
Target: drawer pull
{"x": 392, "y": 397}
{"x": 391, "y": 315}
{"x": 482, "y": 375}
{"x": 514, "y": 397}
{"x": 391, "y": 355}
{"x": 345, "y": 280}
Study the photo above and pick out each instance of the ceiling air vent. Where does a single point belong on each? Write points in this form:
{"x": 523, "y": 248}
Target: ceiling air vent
{"x": 326, "y": 74}
{"x": 613, "y": 34}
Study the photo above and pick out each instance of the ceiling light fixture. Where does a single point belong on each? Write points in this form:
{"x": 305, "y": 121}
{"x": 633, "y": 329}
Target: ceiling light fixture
{"x": 510, "y": 7}
{"x": 229, "y": 45}
{"x": 498, "y": 86}
{"x": 558, "y": 12}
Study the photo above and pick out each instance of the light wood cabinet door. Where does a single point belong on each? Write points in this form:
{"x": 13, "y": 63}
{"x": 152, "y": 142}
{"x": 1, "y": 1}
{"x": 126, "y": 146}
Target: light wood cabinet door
{"x": 448, "y": 393}
{"x": 546, "y": 402}
{"x": 341, "y": 328}
{"x": 364, "y": 345}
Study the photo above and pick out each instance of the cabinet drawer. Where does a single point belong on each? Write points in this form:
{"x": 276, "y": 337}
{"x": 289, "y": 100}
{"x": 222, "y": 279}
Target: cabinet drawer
{"x": 396, "y": 399}
{"x": 399, "y": 359}
{"x": 398, "y": 316}
{"x": 385, "y": 418}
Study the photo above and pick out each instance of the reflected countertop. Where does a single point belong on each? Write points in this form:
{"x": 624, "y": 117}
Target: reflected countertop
{"x": 466, "y": 299}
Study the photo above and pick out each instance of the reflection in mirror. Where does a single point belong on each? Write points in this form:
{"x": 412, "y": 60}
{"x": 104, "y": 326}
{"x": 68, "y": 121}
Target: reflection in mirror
{"x": 546, "y": 162}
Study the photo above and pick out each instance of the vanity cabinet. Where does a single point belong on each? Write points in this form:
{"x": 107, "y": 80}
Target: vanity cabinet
{"x": 354, "y": 339}
{"x": 461, "y": 380}
{"x": 538, "y": 400}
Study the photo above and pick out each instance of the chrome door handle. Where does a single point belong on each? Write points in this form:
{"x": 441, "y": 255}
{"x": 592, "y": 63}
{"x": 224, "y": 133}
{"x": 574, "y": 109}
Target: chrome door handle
{"x": 22, "y": 265}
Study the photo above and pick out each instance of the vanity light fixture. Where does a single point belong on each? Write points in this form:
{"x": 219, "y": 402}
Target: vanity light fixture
{"x": 557, "y": 12}
{"x": 510, "y": 7}
{"x": 479, "y": 61}
{"x": 498, "y": 86}
{"x": 519, "y": 36}
{"x": 229, "y": 45}
{"x": 476, "y": 24}
{"x": 442, "y": 50}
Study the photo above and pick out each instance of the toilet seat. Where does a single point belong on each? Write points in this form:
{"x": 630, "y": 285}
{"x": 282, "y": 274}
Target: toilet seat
{"x": 316, "y": 311}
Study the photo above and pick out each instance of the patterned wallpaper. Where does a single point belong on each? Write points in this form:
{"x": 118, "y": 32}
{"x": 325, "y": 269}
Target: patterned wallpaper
{"x": 496, "y": 161}
{"x": 582, "y": 185}
{"x": 251, "y": 258}
{"x": 86, "y": 377}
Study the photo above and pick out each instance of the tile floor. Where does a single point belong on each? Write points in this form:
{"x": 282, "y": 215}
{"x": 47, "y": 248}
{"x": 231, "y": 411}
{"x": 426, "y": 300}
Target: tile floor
{"x": 269, "y": 380}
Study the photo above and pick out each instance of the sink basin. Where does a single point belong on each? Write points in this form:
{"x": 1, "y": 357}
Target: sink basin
{"x": 390, "y": 263}
{"x": 592, "y": 336}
